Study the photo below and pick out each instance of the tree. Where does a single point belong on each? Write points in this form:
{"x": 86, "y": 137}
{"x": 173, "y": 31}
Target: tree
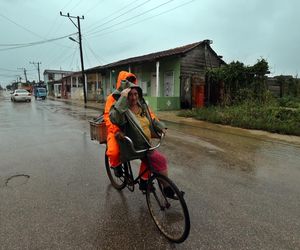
{"x": 237, "y": 82}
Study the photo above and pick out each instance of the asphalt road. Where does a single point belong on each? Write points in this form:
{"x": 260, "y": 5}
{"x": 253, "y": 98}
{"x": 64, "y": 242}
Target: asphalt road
{"x": 243, "y": 192}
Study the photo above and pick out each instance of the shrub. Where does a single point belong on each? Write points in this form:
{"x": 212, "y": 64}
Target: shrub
{"x": 251, "y": 115}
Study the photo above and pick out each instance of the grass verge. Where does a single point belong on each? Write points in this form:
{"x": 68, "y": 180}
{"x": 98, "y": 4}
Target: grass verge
{"x": 274, "y": 119}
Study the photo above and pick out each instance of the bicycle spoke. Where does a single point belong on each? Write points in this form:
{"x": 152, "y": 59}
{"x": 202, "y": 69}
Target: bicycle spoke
{"x": 170, "y": 215}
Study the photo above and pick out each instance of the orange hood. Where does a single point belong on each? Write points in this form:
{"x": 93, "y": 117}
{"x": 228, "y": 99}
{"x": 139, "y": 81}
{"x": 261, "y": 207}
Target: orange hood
{"x": 123, "y": 75}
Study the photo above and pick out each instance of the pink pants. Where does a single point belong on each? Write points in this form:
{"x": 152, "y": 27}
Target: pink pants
{"x": 158, "y": 162}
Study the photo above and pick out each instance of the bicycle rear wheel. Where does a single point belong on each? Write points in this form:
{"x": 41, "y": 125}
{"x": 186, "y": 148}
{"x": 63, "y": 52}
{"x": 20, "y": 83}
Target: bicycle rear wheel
{"x": 170, "y": 215}
{"x": 117, "y": 182}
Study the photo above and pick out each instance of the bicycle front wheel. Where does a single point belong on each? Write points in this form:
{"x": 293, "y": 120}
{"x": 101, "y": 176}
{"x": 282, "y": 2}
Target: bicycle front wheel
{"x": 117, "y": 182}
{"x": 170, "y": 213}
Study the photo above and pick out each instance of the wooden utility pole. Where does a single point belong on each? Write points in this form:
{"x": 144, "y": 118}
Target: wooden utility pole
{"x": 80, "y": 48}
{"x": 24, "y": 74}
{"x": 38, "y": 68}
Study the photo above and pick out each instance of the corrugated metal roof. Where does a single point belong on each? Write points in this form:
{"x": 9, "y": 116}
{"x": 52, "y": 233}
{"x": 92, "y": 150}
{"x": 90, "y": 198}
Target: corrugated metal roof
{"x": 152, "y": 56}
{"x": 54, "y": 71}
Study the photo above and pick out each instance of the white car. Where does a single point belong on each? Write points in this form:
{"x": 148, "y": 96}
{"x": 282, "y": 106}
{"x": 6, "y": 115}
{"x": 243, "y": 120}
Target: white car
{"x": 20, "y": 95}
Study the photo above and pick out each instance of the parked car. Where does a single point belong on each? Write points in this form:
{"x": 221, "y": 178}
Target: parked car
{"x": 20, "y": 95}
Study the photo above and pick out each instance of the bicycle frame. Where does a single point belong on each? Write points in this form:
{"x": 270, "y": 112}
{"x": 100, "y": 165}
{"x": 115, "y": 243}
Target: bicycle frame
{"x": 127, "y": 166}
{"x": 161, "y": 203}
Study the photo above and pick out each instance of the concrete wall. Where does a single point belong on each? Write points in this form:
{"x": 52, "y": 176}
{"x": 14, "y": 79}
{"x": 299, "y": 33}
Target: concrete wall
{"x": 144, "y": 73}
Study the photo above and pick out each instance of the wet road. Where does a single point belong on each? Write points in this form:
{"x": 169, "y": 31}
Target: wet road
{"x": 243, "y": 191}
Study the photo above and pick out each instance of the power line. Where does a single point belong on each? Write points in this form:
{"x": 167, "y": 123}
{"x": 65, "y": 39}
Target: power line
{"x": 128, "y": 19}
{"x": 61, "y": 54}
{"x": 112, "y": 14}
{"x": 17, "y": 46}
{"x": 52, "y": 26}
{"x": 20, "y": 26}
{"x": 67, "y": 4}
{"x": 24, "y": 28}
{"x": 140, "y": 21}
{"x": 93, "y": 52}
{"x": 34, "y": 43}
{"x": 87, "y": 58}
{"x": 94, "y": 6}
{"x": 73, "y": 57}
{"x": 119, "y": 16}
{"x": 76, "y": 5}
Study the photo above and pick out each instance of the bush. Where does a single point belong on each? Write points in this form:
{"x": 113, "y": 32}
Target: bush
{"x": 251, "y": 115}
{"x": 289, "y": 102}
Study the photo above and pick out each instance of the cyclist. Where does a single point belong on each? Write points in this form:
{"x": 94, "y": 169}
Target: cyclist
{"x": 131, "y": 113}
{"x": 113, "y": 150}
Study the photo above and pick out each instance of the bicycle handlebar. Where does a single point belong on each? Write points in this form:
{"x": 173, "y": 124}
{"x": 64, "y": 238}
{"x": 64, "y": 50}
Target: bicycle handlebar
{"x": 146, "y": 149}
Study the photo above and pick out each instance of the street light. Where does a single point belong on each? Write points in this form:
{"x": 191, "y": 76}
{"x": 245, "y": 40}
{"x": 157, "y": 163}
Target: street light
{"x": 72, "y": 39}
{"x": 82, "y": 67}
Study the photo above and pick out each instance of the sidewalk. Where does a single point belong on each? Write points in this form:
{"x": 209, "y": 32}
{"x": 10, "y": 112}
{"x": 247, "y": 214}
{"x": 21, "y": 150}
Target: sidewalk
{"x": 171, "y": 116}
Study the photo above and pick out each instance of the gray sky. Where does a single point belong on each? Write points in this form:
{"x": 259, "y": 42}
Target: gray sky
{"x": 244, "y": 30}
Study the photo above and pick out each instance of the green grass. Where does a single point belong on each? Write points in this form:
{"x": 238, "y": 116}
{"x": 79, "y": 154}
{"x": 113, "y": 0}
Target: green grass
{"x": 273, "y": 118}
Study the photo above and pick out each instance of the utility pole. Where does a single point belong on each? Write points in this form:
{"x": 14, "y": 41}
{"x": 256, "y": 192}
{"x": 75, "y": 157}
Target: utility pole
{"x": 80, "y": 48}
{"x": 24, "y": 74}
{"x": 38, "y": 68}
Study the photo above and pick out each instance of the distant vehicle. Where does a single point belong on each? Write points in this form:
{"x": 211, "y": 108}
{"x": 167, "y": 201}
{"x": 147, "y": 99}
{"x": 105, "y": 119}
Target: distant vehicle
{"x": 40, "y": 93}
{"x": 20, "y": 95}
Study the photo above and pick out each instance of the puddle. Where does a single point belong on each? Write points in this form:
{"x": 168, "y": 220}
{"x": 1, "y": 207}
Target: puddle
{"x": 17, "y": 180}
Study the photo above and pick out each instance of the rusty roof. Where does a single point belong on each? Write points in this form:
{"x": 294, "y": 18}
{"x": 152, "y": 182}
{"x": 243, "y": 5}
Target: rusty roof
{"x": 153, "y": 56}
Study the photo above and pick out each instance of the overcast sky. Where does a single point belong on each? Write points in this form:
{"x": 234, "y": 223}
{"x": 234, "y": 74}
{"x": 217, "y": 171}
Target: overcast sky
{"x": 243, "y": 30}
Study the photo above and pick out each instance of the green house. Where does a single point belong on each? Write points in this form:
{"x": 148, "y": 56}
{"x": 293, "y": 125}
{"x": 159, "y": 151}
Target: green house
{"x": 171, "y": 79}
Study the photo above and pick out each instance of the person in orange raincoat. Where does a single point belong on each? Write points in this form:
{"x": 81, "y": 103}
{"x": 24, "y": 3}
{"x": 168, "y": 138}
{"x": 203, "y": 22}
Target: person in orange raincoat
{"x": 113, "y": 149}
{"x": 125, "y": 82}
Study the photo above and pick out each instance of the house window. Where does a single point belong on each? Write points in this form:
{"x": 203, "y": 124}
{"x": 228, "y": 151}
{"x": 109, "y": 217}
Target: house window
{"x": 144, "y": 86}
{"x": 169, "y": 83}
{"x": 74, "y": 82}
{"x": 51, "y": 76}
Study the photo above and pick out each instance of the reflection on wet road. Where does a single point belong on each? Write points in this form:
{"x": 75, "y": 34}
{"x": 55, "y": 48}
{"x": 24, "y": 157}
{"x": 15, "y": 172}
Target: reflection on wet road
{"x": 242, "y": 190}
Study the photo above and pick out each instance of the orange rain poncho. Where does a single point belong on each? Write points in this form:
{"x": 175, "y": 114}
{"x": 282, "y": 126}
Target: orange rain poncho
{"x": 113, "y": 150}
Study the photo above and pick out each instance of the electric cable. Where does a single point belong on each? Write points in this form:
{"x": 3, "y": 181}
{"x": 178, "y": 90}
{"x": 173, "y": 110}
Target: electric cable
{"x": 140, "y": 21}
{"x": 94, "y": 7}
{"x": 20, "y": 45}
{"x": 112, "y": 14}
{"x": 100, "y": 60}
{"x": 20, "y": 26}
{"x": 141, "y": 4}
{"x": 128, "y": 19}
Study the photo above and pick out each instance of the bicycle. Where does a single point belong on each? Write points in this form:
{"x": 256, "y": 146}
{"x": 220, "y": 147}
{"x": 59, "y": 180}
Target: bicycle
{"x": 170, "y": 215}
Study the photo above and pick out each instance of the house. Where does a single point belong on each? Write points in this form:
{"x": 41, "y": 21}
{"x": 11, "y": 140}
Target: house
{"x": 171, "y": 79}
{"x": 52, "y": 80}
{"x": 72, "y": 86}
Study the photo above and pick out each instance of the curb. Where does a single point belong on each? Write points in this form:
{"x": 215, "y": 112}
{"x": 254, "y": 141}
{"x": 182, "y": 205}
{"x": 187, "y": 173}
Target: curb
{"x": 171, "y": 116}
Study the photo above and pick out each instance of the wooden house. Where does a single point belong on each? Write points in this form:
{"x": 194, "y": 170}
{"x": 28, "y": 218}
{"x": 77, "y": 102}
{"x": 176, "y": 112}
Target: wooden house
{"x": 171, "y": 79}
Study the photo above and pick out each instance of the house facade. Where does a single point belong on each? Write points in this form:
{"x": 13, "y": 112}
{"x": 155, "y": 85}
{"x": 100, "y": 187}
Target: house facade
{"x": 53, "y": 81}
{"x": 72, "y": 86}
{"x": 172, "y": 79}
